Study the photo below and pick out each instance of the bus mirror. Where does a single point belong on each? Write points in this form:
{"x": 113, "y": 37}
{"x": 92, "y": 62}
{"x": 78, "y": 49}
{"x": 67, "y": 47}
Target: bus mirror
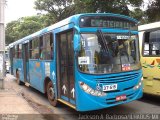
{"x": 77, "y": 42}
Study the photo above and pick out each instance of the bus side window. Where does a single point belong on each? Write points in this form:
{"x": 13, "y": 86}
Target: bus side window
{"x": 146, "y": 44}
{"x": 30, "y": 49}
{"x": 34, "y": 48}
{"x": 52, "y": 45}
{"x": 151, "y": 43}
{"x": 46, "y": 47}
{"x": 18, "y": 51}
{"x": 13, "y": 52}
{"x": 41, "y": 48}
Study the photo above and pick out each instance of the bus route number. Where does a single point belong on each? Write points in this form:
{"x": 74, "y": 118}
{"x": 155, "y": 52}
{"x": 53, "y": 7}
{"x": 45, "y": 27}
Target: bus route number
{"x": 109, "y": 87}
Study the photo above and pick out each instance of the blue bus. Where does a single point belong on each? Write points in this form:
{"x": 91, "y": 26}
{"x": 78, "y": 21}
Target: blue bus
{"x": 87, "y": 61}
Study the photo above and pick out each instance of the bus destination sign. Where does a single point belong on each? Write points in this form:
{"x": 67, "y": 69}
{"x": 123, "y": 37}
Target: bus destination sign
{"x": 107, "y": 22}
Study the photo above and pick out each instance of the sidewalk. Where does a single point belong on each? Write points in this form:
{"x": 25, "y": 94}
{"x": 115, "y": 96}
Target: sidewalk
{"x": 11, "y": 102}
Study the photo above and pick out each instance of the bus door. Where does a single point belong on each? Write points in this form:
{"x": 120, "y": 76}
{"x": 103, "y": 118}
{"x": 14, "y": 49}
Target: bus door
{"x": 11, "y": 55}
{"x": 25, "y": 62}
{"x": 65, "y": 67}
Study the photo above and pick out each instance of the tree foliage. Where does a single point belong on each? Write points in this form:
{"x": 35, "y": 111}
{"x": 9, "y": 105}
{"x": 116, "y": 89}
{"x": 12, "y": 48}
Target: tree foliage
{"x": 140, "y": 15}
{"x": 153, "y": 11}
{"x": 58, "y": 9}
{"x": 23, "y": 27}
{"x": 10, "y": 33}
{"x": 55, "y": 10}
{"x": 114, "y": 6}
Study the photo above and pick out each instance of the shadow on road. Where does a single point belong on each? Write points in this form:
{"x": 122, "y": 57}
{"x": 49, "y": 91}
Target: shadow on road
{"x": 151, "y": 99}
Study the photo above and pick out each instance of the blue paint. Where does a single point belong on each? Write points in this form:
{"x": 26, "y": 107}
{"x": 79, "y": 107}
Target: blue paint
{"x": 72, "y": 101}
{"x": 93, "y": 102}
{"x": 65, "y": 98}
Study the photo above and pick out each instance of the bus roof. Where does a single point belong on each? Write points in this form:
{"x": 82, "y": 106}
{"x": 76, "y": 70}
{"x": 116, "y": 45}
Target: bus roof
{"x": 149, "y": 26}
{"x": 71, "y": 19}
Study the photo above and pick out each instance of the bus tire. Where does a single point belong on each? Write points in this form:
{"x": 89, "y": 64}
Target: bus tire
{"x": 51, "y": 94}
{"x": 18, "y": 78}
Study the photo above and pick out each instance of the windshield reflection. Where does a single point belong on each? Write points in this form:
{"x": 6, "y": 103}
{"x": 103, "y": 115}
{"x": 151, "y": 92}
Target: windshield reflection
{"x": 108, "y": 53}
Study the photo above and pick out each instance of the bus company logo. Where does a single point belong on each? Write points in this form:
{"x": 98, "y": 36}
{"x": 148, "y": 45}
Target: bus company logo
{"x": 99, "y": 86}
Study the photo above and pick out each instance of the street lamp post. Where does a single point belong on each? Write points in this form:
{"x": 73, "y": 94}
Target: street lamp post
{"x": 2, "y": 44}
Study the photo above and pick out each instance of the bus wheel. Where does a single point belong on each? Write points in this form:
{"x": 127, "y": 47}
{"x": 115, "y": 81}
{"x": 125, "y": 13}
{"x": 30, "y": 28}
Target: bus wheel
{"x": 18, "y": 79}
{"x": 51, "y": 94}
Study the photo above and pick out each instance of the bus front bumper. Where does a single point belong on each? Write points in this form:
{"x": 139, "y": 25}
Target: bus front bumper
{"x": 87, "y": 102}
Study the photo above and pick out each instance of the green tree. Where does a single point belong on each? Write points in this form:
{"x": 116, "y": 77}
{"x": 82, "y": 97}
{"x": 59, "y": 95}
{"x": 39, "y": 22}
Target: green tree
{"x": 10, "y": 32}
{"x": 139, "y": 14}
{"x": 23, "y": 27}
{"x": 153, "y": 11}
{"x": 113, "y": 6}
{"x": 57, "y": 9}
{"x": 60, "y": 9}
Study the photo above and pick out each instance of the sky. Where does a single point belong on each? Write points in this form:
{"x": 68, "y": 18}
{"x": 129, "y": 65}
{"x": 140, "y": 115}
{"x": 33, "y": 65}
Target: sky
{"x": 16, "y": 9}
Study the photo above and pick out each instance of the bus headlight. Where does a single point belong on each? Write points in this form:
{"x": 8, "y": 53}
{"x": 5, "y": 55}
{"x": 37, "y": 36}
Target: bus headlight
{"x": 138, "y": 85}
{"x": 91, "y": 91}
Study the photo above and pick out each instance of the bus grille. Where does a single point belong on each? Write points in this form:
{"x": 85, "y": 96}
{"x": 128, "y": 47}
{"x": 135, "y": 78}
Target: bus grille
{"x": 115, "y": 79}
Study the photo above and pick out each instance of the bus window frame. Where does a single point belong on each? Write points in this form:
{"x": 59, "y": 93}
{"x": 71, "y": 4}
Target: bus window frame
{"x": 18, "y": 51}
{"x": 76, "y": 55}
{"x": 36, "y": 38}
{"x": 143, "y": 42}
{"x": 15, "y": 51}
{"x": 41, "y": 37}
{"x": 20, "y": 54}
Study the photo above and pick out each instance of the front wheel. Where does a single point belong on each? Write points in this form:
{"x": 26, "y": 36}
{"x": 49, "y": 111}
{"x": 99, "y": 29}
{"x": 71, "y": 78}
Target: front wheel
{"x": 51, "y": 94}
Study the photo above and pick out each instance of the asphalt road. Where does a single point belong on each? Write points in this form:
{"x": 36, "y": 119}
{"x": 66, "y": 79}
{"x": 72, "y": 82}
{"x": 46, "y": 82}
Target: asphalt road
{"x": 146, "y": 108}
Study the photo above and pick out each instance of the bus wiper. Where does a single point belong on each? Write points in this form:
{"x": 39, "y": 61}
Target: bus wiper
{"x": 103, "y": 40}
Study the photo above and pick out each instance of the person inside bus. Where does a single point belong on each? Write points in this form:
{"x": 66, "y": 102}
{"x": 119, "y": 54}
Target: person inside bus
{"x": 106, "y": 55}
{"x": 47, "y": 51}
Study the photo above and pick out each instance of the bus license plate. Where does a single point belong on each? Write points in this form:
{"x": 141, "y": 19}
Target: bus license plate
{"x": 110, "y": 87}
{"x": 120, "y": 98}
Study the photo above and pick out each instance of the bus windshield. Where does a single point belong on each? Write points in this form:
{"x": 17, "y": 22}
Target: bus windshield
{"x": 102, "y": 53}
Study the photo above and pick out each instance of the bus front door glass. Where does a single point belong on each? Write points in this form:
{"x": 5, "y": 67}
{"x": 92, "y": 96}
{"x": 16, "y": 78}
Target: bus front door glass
{"x": 11, "y": 55}
{"x": 25, "y": 62}
{"x": 108, "y": 53}
{"x": 67, "y": 90}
